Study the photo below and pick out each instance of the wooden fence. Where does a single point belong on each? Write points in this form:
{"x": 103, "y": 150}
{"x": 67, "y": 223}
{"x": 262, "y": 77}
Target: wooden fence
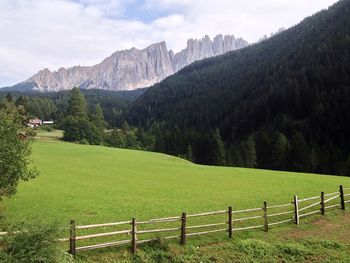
{"x": 184, "y": 226}
{"x": 264, "y": 217}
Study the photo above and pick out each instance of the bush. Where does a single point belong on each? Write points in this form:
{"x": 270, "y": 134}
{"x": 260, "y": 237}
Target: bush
{"x": 261, "y": 251}
{"x": 257, "y": 249}
{"x": 34, "y": 243}
{"x": 46, "y": 128}
{"x": 78, "y": 129}
{"x": 156, "y": 251}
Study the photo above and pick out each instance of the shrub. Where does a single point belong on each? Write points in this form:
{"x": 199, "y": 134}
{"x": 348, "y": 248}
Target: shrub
{"x": 77, "y": 129}
{"x": 46, "y": 128}
{"x": 33, "y": 243}
{"x": 256, "y": 248}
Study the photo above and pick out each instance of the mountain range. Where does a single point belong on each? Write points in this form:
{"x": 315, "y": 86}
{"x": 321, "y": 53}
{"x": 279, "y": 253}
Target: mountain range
{"x": 282, "y": 103}
{"x": 131, "y": 69}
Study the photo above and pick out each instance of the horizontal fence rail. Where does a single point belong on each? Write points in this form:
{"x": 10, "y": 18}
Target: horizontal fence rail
{"x": 181, "y": 227}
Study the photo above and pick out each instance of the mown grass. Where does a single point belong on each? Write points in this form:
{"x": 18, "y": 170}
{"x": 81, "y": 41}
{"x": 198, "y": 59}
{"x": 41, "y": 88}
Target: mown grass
{"x": 318, "y": 239}
{"x": 94, "y": 184}
{"x": 98, "y": 184}
{"x": 48, "y": 133}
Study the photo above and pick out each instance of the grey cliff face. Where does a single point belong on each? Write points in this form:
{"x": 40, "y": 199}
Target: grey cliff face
{"x": 134, "y": 68}
{"x": 205, "y": 48}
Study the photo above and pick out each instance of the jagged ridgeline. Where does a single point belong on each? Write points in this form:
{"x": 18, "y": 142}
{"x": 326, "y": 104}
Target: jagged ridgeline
{"x": 282, "y": 104}
{"x": 130, "y": 69}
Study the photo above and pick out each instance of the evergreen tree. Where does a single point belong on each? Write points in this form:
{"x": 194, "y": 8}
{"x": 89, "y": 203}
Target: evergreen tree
{"x": 263, "y": 150}
{"x": 280, "y": 151}
{"x": 131, "y": 141}
{"x": 21, "y": 101}
{"x": 77, "y": 105}
{"x": 218, "y": 149}
{"x": 248, "y": 152}
{"x": 125, "y": 126}
{"x": 300, "y": 153}
{"x": 189, "y": 153}
{"x": 9, "y": 98}
{"x": 116, "y": 139}
{"x": 234, "y": 157}
{"x": 81, "y": 130}
{"x": 98, "y": 118}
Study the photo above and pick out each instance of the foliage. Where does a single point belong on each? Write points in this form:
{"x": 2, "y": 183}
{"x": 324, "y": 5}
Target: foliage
{"x": 55, "y": 105}
{"x": 46, "y": 128}
{"x": 78, "y": 129}
{"x": 76, "y": 125}
{"x": 293, "y": 88}
{"x": 77, "y": 106}
{"x": 130, "y": 138}
{"x": 98, "y": 118}
{"x": 259, "y": 249}
{"x": 32, "y": 243}
{"x": 15, "y": 149}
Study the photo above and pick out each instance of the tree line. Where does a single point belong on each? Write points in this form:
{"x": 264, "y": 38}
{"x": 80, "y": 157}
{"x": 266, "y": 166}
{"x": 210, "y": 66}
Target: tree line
{"x": 282, "y": 104}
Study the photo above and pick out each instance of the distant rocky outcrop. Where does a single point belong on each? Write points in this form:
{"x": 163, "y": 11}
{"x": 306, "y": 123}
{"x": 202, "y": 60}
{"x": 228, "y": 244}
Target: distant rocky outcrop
{"x": 265, "y": 37}
{"x": 133, "y": 68}
{"x": 204, "y": 48}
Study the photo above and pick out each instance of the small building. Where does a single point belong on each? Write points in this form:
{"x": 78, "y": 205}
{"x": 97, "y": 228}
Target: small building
{"x": 34, "y": 123}
{"x": 47, "y": 123}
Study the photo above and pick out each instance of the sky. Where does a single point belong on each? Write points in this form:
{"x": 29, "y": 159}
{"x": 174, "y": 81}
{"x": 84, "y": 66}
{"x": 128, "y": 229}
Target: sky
{"x": 38, "y": 34}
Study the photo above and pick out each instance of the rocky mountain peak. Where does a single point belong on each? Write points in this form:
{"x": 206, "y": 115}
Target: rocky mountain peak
{"x": 133, "y": 68}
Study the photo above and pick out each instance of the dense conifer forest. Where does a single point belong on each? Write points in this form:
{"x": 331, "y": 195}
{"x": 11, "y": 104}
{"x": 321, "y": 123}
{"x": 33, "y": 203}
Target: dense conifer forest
{"x": 283, "y": 103}
{"x": 55, "y": 105}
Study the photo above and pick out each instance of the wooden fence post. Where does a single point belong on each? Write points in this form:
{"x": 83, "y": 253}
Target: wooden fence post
{"x": 342, "y": 201}
{"x": 266, "y": 222}
{"x": 322, "y": 204}
{"x": 134, "y": 236}
{"x": 183, "y": 229}
{"x": 296, "y": 210}
{"x": 72, "y": 238}
{"x": 230, "y": 227}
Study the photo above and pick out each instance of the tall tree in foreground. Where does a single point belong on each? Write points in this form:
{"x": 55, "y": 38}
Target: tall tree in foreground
{"x": 15, "y": 149}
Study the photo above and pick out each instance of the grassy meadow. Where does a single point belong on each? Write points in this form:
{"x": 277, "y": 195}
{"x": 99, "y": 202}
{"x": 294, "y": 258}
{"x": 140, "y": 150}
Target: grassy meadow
{"x": 95, "y": 184}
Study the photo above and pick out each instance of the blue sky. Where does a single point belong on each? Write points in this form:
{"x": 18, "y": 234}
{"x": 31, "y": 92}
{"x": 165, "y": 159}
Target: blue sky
{"x": 37, "y": 34}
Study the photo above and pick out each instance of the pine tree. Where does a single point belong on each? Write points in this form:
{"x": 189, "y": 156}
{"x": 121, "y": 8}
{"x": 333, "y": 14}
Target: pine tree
{"x": 263, "y": 150}
{"x": 248, "y": 152}
{"x": 125, "y": 126}
{"x": 9, "y": 97}
{"x": 218, "y": 149}
{"x": 300, "y": 153}
{"x": 98, "y": 118}
{"x": 190, "y": 153}
{"x": 280, "y": 151}
{"x": 77, "y": 105}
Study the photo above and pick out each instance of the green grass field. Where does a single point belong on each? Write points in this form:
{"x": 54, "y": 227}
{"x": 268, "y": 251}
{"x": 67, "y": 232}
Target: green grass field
{"x": 94, "y": 184}
{"x": 48, "y": 135}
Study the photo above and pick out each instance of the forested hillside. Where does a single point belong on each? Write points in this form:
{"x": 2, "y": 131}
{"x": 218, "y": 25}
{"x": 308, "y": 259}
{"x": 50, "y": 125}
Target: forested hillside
{"x": 55, "y": 105}
{"x": 283, "y": 103}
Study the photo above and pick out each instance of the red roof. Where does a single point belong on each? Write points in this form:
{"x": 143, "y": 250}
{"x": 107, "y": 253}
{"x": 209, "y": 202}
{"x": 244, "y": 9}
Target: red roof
{"x": 35, "y": 121}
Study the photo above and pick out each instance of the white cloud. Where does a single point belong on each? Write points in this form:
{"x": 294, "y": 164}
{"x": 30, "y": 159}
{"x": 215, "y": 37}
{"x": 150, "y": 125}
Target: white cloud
{"x": 38, "y": 34}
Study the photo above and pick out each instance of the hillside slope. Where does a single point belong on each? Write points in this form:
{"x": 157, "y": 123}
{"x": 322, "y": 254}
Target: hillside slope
{"x": 281, "y": 104}
{"x": 95, "y": 184}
